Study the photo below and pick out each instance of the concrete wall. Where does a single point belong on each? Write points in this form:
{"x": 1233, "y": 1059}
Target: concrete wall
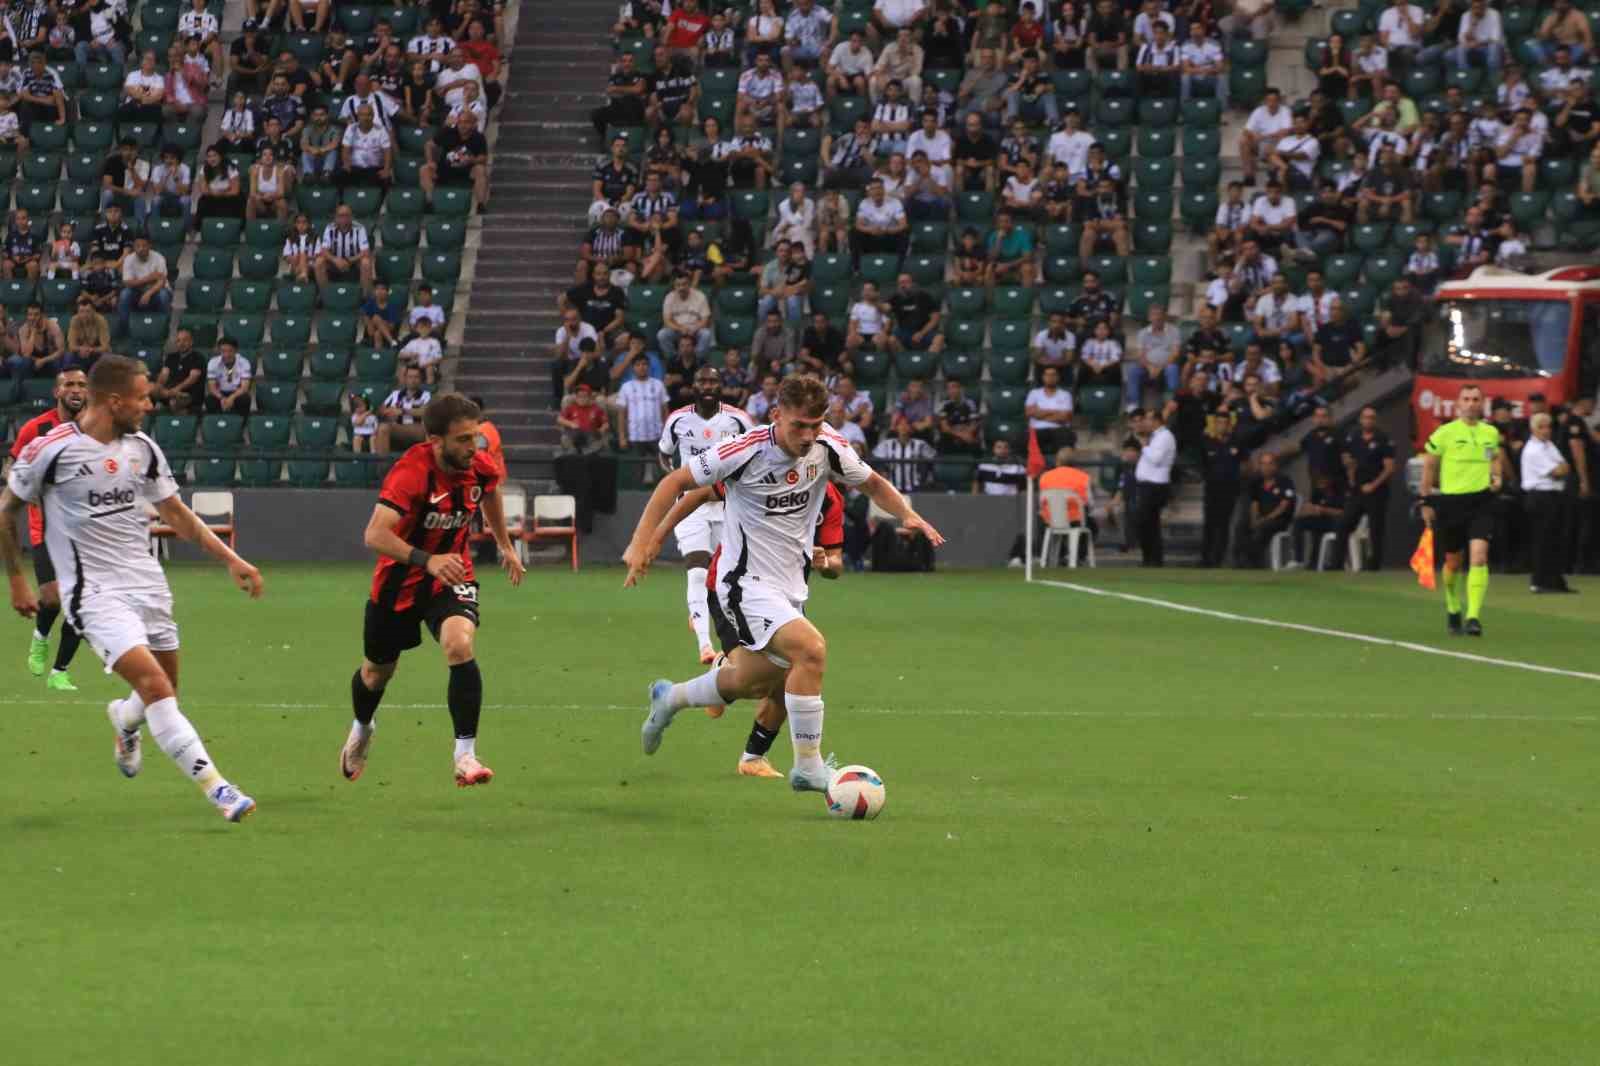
{"x": 325, "y": 525}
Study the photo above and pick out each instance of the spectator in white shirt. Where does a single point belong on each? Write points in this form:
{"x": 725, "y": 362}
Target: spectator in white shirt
{"x": 1049, "y": 411}
{"x": 1517, "y": 154}
{"x": 1100, "y": 359}
{"x": 1400, "y": 30}
{"x": 1070, "y": 144}
{"x": 1272, "y": 218}
{"x": 1481, "y": 38}
{"x": 891, "y": 16}
{"x": 797, "y": 220}
{"x": 1544, "y": 472}
{"x": 572, "y": 332}
{"x": 642, "y": 400}
{"x": 1204, "y": 65}
{"x": 400, "y": 414}
{"x": 366, "y": 151}
{"x": 849, "y": 66}
{"x": 1055, "y": 345}
{"x": 1261, "y": 132}
{"x": 1294, "y": 158}
{"x": 806, "y": 33}
{"x": 868, "y": 322}
{"x": 880, "y": 226}
{"x": 425, "y": 352}
{"x": 930, "y": 139}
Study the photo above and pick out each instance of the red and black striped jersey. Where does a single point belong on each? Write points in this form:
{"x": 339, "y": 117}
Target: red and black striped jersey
{"x": 436, "y": 508}
{"x": 32, "y": 430}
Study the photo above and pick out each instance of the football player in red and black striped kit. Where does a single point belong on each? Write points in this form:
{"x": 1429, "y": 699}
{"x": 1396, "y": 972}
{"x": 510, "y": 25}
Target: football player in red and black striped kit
{"x": 419, "y": 529}
{"x": 71, "y": 392}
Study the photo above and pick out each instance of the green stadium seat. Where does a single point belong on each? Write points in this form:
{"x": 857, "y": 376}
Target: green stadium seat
{"x": 212, "y": 472}
{"x": 277, "y": 397}
{"x": 881, "y": 269}
{"x": 250, "y": 297}
{"x": 1150, "y": 270}
{"x": 330, "y": 364}
{"x": 1009, "y": 368}
{"x": 965, "y": 334}
{"x": 929, "y": 236}
{"x": 975, "y": 207}
{"x": 220, "y": 232}
{"x": 446, "y": 234}
{"x": 1055, "y": 299}
{"x": 736, "y": 299}
{"x": 222, "y": 432}
{"x": 376, "y": 364}
{"x": 1381, "y": 270}
{"x": 364, "y": 201}
{"x": 323, "y": 398}
{"x": 1200, "y": 141}
{"x": 1113, "y": 269}
{"x": 911, "y": 364}
{"x": 269, "y": 433}
{"x": 175, "y": 432}
{"x": 1010, "y": 334}
{"x": 734, "y": 331}
{"x": 256, "y": 264}
{"x": 1203, "y": 113}
{"x": 395, "y": 267}
{"x": 291, "y": 331}
{"x": 248, "y": 330}
{"x": 37, "y": 198}
{"x": 1063, "y": 269}
{"x": 441, "y": 267}
{"x": 267, "y": 234}
{"x": 998, "y": 427}
{"x": 297, "y": 298}
{"x": 1012, "y": 301}
{"x": 148, "y": 329}
{"x": 830, "y": 268}
{"x": 206, "y": 296}
{"x": 352, "y": 473}
{"x": 1151, "y": 238}
{"x": 1116, "y": 83}
{"x": 80, "y": 198}
{"x": 280, "y": 364}
{"x": 1114, "y": 111}
{"x": 16, "y": 294}
{"x": 58, "y": 294}
{"x": 872, "y": 367}
{"x": 1143, "y": 297}
{"x": 965, "y": 367}
{"x": 260, "y": 473}
{"x": 1100, "y": 405}
{"x": 1157, "y": 113}
{"x": 341, "y": 296}
{"x": 308, "y": 473}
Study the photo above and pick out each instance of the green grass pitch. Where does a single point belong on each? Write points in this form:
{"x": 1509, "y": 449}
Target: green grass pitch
{"x": 1115, "y": 834}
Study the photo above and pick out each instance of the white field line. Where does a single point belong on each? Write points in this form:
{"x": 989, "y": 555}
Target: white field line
{"x": 910, "y": 712}
{"x": 1323, "y": 631}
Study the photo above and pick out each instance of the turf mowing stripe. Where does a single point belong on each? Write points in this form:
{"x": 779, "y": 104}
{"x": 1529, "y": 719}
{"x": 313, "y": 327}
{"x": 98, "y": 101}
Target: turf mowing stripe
{"x": 1321, "y": 631}
{"x": 939, "y": 712}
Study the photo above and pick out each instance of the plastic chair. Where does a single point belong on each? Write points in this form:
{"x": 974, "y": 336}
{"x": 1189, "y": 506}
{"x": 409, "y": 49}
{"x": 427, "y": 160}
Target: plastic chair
{"x": 555, "y": 518}
{"x": 1275, "y": 549}
{"x": 216, "y": 511}
{"x": 514, "y": 500}
{"x": 1058, "y": 504}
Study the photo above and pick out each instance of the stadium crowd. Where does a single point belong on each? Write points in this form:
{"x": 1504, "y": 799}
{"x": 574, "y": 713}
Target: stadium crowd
{"x": 349, "y": 152}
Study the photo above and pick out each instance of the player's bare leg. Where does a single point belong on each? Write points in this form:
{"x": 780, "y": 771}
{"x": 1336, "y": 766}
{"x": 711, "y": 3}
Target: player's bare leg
{"x": 695, "y": 564}
{"x": 745, "y": 675}
{"x": 763, "y": 731}
{"x": 802, "y": 645}
{"x": 366, "y": 692}
{"x": 465, "y": 696}
{"x": 153, "y": 678}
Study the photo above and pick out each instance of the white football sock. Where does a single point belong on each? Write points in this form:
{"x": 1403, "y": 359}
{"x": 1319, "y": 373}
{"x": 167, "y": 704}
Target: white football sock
{"x": 364, "y": 728}
{"x": 805, "y": 729}
{"x": 466, "y": 746}
{"x": 698, "y": 692}
{"x": 698, "y": 616}
{"x": 130, "y": 712}
{"x": 175, "y": 735}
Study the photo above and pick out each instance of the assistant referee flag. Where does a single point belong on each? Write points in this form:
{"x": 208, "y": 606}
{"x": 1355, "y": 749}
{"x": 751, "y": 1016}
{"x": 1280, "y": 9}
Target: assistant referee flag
{"x": 1422, "y": 559}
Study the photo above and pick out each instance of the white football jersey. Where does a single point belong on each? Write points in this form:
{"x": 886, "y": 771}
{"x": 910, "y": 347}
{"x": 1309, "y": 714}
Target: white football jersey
{"x": 686, "y": 435}
{"x": 773, "y": 499}
{"x": 95, "y": 524}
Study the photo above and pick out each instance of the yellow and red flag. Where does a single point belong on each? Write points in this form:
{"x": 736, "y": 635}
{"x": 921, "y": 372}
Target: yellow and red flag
{"x": 1422, "y": 560}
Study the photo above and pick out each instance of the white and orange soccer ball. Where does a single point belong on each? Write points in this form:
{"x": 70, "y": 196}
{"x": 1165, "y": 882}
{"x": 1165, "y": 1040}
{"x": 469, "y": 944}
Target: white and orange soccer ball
{"x": 855, "y": 792}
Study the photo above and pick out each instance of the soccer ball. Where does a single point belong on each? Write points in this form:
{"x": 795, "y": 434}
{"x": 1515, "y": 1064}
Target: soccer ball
{"x": 855, "y": 792}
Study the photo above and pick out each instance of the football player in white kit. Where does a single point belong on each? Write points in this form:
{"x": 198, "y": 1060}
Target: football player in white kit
{"x": 92, "y": 478}
{"x": 773, "y": 478}
{"x": 689, "y": 431}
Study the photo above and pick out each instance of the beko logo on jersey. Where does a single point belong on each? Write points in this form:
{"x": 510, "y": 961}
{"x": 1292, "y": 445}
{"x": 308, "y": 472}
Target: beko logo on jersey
{"x": 788, "y": 500}
{"x": 446, "y": 519}
{"x": 114, "y": 498}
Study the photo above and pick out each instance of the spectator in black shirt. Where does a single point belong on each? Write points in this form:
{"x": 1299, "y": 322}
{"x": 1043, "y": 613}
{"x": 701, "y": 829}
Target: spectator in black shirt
{"x": 1318, "y": 515}
{"x": 1186, "y": 412}
{"x": 458, "y": 155}
{"x": 113, "y": 238}
{"x": 675, "y": 94}
{"x": 1337, "y": 347}
{"x": 1106, "y": 31}
{"x": 916, "y": 318}
{"x": 22, "y": 247}
{"x": 1272, "y": 506}
{"x": 599, "y": 303}
{"x": 121, "y": 180}
{"x": 589, "y": 368}
{"x": 679, "y": 375}
{"x": 1203, "y": 350}
{"x": 249, "y": 65}
{"x": 974, "y": 154}
{"x": 101, "y": 282}
{"x": 1369, "y": 465}
{"x": 1574, "y": 130}
{"x": 180, "y": 386}
{"x": 1224, "y": 460}
{"x": 822, "y": 347}
{"x": 625, "y": 99}
{"x": 1325, "y": 223}
{"x": 958, "y": 421}
{"x": 1323, "y": 448}
{"x": 1400, "y": 326}
{"x": 1093, "y": 306}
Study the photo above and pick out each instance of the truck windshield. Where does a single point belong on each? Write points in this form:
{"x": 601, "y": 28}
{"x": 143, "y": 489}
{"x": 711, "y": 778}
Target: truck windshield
{"x": 1497, "y": 339}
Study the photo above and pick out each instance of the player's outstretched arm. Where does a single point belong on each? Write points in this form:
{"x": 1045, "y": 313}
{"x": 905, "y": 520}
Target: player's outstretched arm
{"x": 686, "y": 505}
{"x": 22, "y": 598}
{"x": 494, "y": 511}
{"x": 885, "y": 495}
{"x": 382, "y": 538}
{"x": 640, "y": 555}
{"x": 186, "y": 524}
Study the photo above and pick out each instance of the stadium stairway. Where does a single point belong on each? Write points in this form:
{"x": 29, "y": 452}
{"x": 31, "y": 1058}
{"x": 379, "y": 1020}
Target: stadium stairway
{"x": 539, "y": 194}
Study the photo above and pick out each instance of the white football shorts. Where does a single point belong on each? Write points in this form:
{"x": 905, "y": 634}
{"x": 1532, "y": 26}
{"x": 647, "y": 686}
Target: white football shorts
{"x": 113, "y": 623}
{"x": 757, "y": 611}
{"x": 698, "y": 533}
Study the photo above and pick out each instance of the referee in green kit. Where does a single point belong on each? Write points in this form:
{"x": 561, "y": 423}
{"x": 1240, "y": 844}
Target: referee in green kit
{"x": 1461, "y": 472}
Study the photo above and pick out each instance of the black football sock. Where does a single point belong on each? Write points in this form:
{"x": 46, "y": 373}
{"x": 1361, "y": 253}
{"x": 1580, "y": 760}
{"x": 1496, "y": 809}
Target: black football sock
{"x": 363, "y": 699}
{"x": 68, "y": 647}
{"x": 44, "y": 619}
{"x": 761, "y": 739}
{"x": 465, "y": 696}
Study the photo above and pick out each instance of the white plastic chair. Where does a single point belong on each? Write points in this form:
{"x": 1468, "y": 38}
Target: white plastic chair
{"x": 555, "y": 518}
{"x": 1058, "y": 505}
{"x": 1355, "y": 556}
{"x": 216, "y": 511}
{"x": 1324, "y": 544}
{"x": 1280, "y": 542}
{"x": 514, "y": 499}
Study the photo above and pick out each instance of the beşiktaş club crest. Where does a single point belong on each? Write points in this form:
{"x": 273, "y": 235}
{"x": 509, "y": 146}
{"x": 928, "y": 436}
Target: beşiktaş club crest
{"x": 811, "y": 471}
